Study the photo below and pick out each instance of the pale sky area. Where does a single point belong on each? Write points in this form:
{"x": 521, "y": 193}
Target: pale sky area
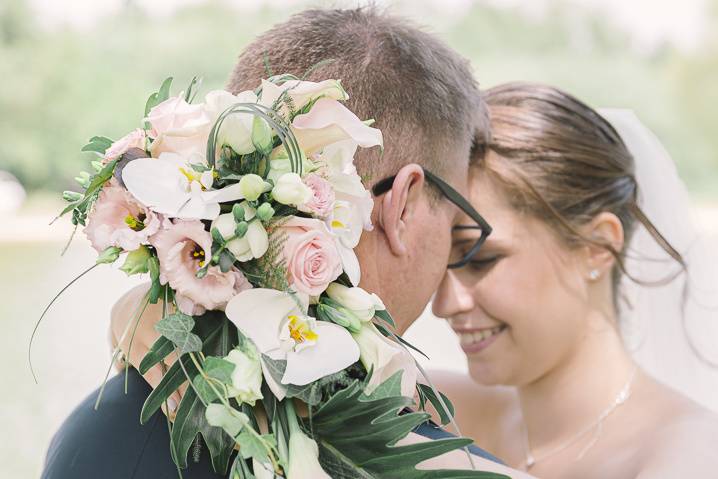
{"x": 650, "y": 22}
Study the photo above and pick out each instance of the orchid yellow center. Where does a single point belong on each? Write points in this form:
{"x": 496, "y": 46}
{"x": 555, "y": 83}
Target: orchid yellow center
{"x": 299, "y": 330}
{"x": 338, "y": 224}
{"x": 192, "y": 175}
{"x": 136, "y": 224}
{"x": 198, "y": 254}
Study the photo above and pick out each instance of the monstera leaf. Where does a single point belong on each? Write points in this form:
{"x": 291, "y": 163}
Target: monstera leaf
{"x": 356, "y": 434}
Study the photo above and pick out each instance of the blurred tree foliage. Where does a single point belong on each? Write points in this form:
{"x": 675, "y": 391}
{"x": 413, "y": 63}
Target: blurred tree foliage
{"x": 61, "y": 86}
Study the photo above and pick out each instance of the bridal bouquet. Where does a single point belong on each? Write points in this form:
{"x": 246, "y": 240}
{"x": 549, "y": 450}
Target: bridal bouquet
{"x": 245, "y": 211}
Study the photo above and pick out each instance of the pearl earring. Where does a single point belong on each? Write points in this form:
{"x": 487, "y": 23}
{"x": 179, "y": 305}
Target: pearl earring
{"x": 594, "y": 274}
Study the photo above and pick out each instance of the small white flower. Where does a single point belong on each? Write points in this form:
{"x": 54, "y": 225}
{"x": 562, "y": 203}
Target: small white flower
{"x": 255, "y": 241}
{"x": 291, "y": 190}
{"x": 237, "y": 128}
{"x": 247, "y": 375}
{"x": 251, "y": 186}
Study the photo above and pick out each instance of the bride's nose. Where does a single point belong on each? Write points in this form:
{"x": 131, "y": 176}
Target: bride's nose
{"x": 452, "y": 298}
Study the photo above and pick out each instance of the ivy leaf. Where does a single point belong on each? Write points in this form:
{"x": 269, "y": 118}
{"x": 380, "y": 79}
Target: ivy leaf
{"x": 177, "y": 328}
{"x": 219, "y": 368}
{"x": 250, "y": 445}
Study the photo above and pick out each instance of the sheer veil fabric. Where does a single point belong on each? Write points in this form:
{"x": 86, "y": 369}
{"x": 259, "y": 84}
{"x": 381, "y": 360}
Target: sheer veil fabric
{"x": 672, "y": 335}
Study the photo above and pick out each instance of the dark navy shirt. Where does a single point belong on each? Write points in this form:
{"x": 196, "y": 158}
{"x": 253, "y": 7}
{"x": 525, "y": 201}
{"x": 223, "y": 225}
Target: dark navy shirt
{"x": 110, "y": 443}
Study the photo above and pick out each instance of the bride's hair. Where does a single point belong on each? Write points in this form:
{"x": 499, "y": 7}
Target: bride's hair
{"x": 563, "y": 163}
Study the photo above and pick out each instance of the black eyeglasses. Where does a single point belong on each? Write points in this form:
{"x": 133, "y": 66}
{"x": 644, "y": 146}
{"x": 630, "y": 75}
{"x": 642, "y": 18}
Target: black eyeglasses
{"x": 454, "y": 197}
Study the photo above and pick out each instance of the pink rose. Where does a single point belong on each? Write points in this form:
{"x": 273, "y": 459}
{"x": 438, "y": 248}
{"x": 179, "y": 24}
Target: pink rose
{"x": 118, "y": 219}
{"x": 134, "y": 139}
{"x": 178, "y": 127}
{"x": 322, "y": 200}
{"x": 312, "y": 257}
{"x": 182, "y": 250}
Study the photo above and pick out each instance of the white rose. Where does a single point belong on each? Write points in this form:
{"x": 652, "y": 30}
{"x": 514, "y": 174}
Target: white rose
{"x": 236, "y": 129}
{"x": 247, "y": 375}
{"x": 291, "y": 190}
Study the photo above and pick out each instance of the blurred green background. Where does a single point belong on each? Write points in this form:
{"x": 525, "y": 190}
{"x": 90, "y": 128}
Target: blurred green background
{"x": 64, "y": 81}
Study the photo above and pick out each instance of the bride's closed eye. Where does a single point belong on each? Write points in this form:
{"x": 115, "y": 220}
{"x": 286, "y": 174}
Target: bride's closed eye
{"x": 484, "y": 264}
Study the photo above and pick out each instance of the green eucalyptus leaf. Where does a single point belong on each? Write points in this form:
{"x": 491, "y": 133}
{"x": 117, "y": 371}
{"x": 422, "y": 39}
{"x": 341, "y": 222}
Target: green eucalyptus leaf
{"x": 177, "y": 328}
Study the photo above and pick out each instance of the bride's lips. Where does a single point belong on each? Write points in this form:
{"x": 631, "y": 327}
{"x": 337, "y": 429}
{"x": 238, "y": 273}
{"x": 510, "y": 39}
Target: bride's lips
{"x": 474, "y": 340}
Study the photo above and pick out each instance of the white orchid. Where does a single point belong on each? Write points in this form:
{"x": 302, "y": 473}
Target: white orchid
{"x": 169, "y": 185}
{"x": 352, "y": 209}
{"x": 280, "y": 329}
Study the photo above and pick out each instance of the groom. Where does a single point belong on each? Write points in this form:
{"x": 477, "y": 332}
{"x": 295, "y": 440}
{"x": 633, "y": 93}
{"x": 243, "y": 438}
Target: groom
{"x": 426, "y": 102}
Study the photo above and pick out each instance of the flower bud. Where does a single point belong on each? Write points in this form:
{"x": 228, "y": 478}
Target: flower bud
{"x": 137, "y": 261}
{"x": 238, "y": 212}
{"x": 251, "y": 186}
{"x": 355, "y": 299}
{"x": 241, "y": 229}
{"x": 265, "y": 212}
{"x": 71, "y": 196}
{"x": 262, "y": 135}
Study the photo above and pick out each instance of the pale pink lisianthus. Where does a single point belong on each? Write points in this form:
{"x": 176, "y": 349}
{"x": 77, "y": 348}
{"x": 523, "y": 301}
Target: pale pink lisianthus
{"x": 322, "y": 200}
{"x": 312, "y": 257}
{"x": 134, "y": 139}
{"x": 182, "y": 249}
{"x": 178, "y": 127}
{"x": 118, "y": 219}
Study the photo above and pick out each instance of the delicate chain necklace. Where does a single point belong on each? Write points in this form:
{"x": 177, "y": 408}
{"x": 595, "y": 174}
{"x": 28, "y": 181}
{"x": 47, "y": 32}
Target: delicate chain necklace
{"x": 620, "y": 398}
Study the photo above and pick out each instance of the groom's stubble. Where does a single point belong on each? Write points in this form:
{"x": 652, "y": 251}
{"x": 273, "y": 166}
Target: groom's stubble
{"x": 422, "y": 96}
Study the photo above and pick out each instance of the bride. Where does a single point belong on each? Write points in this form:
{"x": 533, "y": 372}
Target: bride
{"x": 553, "y": 388}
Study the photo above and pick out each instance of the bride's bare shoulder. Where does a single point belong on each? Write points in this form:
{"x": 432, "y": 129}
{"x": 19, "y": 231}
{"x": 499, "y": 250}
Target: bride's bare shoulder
{"x": 685, "y": 444}
{"x": 475, "y": 404}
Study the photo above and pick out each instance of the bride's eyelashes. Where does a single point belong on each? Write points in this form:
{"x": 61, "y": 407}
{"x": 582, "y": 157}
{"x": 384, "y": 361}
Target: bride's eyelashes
{"x": 484, "y": 264}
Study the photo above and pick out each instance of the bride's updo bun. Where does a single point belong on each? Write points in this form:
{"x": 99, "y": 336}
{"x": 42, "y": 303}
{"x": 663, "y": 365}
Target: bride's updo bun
{"x": 563, "y": 163}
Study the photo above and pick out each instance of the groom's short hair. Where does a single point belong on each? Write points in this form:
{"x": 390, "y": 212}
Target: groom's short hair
{"x": 421, "y": 93}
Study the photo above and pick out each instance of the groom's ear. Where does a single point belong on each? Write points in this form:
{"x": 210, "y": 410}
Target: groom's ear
{"x": 399, "y": 206}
